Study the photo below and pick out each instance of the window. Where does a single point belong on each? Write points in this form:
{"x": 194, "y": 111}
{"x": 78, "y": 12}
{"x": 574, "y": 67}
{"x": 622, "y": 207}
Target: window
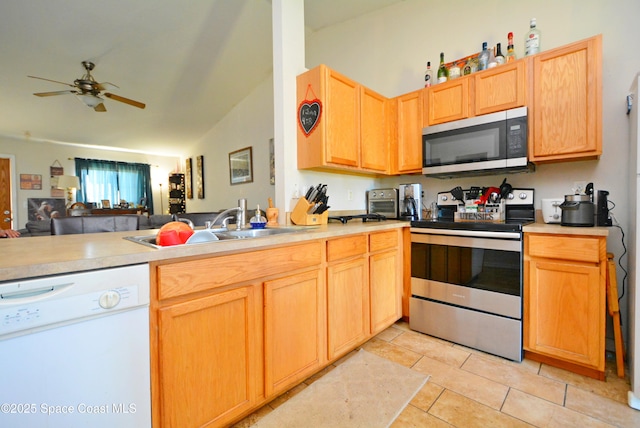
{"x": 114, "y": 181}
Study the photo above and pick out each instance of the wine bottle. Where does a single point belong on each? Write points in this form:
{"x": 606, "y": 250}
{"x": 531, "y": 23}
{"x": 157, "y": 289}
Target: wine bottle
{"x": 532, "y": 39}
{"x": 483, "y": 57}
{"x": 499, "y": 57}
{"x": 428, "y": 75}
{"x": 511, "y": 53}
{"x": 443, "y": 73}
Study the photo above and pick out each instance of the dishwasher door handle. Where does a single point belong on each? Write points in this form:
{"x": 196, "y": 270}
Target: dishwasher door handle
{"x": 32, "y": 295}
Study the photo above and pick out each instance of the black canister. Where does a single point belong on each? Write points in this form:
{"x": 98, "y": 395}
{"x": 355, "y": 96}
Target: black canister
{"x": 577, "y": 210}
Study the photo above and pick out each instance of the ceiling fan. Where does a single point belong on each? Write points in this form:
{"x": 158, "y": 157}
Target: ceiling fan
{"x": 87, "y": 90}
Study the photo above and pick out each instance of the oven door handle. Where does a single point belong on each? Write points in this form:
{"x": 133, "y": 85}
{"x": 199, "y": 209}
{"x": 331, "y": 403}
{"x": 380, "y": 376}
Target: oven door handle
{"x": 469, "y": 233}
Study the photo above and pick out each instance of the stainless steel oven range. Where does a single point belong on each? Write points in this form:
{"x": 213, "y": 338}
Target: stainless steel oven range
{"x": 466, "y": 273}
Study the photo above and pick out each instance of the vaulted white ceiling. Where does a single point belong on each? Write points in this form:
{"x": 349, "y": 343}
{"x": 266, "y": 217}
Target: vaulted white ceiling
{"x": 190, "y": 62}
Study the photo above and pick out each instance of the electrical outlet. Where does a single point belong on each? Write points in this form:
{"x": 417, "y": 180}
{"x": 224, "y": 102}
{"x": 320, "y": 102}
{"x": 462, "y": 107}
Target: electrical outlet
{"x": 579, "y": 187}
{"x": 349, "y": 195}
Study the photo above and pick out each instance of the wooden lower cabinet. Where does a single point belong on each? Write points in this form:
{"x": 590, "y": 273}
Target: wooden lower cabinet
{"x": 228, "y": 335}
{"x": 564, "y": 302}
{"x": 347, "y": 306}
{"x": 294, "y": 329}
{"x": 210, "y": 361}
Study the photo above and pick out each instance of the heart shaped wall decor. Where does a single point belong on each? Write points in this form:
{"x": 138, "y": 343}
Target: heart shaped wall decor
{"x": 309, "y": 112}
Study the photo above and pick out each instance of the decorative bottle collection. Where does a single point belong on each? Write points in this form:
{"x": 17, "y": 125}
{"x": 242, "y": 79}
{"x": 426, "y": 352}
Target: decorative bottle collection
{"x": 487, "y": 58}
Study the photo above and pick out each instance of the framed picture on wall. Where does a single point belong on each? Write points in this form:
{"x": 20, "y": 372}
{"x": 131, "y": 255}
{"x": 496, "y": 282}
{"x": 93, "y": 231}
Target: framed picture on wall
{"x": 188, "y": 180}
{"x": 241, "y": 166}
{"x": 200, "y": 176}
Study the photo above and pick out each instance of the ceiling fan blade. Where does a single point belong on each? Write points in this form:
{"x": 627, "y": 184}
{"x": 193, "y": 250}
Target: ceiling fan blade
{"x": 106, "y": 86}
{"x": 54, "y": 81}
{"x": 100, "y": 107}
{"x": 48, "y": 94}
{"x": 124, "y": 100}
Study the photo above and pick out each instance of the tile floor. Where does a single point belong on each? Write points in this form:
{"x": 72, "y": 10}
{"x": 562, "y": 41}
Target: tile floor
{"x": 468, "y": 388}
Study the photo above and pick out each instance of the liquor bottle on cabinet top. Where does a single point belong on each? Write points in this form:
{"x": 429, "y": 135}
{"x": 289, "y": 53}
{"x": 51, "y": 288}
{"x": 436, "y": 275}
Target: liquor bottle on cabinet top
{"x": 428, "y": 75}
{"x": 443, "y": 73}
{"x": 499, "y": 57}
{"x": 483, "y": 58}
{"x": 532, "y": 39}
{"x": 511, "y": 53}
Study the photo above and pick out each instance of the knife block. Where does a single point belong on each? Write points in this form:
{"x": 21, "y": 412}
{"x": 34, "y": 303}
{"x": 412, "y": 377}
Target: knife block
{"x": 301, "y": 217}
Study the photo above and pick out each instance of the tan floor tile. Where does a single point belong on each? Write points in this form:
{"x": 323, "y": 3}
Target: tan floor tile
{"x": 515, "y": 377}
{"x": 613, "y": 387}
{"x": 402, "y": 325}
{"x": 602, "y": 408}
{"x": 530, "y": 365}
{"x": 279, "y": 401}
{"x": 254, "y": 417}
{"x": 476, "y": 387}
{"x": 389, "y": 334}
{"x": 427, "y": 395}
{"x": 461, "y": 411}
{"x": 542, "y": 413}
{"x": 427, "y": 345}
{"x": 392, "y": 352}
{"x": 413, "y": 417}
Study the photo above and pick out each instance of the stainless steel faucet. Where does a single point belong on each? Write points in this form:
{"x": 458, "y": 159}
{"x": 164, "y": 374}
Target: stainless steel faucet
{"x": 240, "y": 210}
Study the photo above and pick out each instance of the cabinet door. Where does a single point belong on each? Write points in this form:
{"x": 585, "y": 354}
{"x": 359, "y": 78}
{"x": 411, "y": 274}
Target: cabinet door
{"x": 449, "y": 101}
{"x": 347, "y": 306}
{"x": 374, "y": 124}
{"x": 409, "y": 133}
{"x": 211, "y": 358}
{"x": 294, "y": 329}
{"x": 500, "y": 88}
{"x": 342, "y": 113}
{"x": 385, "y": 280}
{"x": 567, "y": 102}
{"x": 564, "y": 311}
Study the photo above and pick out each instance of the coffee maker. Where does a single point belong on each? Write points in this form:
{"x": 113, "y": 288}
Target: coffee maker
{"x": 410, "y": 201}
{"x": 602, "y": 209}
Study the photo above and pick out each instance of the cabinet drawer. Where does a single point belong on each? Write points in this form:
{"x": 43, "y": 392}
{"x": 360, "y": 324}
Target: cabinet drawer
{"x": 580, "y": 248}
{"x": 383, "y": 240}
{"x": 177, "y": 279}
{"x": 349, "y": 246}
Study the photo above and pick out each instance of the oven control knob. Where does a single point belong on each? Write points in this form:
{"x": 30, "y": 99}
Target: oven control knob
{"x": 523, "y": 195}
{"x": 444, "y": 198}
{"x": 510, "y": 196}
{"x": 109, "y": 299}
{"x": 373, "y": 194}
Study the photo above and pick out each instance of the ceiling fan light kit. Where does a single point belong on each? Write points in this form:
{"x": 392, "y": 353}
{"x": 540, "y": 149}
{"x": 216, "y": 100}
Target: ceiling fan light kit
{"x": 88, "y": 90}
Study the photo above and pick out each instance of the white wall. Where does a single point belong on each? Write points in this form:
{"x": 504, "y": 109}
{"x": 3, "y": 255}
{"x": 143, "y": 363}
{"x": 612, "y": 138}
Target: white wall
{"x": 387, "y": 51}
{"x": 249, "y": 124}
{"x": 35, "y": 157}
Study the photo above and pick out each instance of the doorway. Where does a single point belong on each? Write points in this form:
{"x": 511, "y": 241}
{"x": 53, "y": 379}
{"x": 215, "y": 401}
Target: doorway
{"x": 7, "y": 192}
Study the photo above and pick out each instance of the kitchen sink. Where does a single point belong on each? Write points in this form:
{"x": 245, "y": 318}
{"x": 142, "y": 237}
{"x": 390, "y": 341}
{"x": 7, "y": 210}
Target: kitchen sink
{"x": 217, "y": 235}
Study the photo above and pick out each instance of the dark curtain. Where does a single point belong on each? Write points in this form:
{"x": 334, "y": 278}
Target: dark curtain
{"x": 102, "y": 179}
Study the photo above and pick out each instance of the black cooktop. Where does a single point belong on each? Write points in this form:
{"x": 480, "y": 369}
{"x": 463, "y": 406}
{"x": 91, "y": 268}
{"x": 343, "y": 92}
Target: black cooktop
{"x": 364, "y": 217}
{"x": 507, "y": 226}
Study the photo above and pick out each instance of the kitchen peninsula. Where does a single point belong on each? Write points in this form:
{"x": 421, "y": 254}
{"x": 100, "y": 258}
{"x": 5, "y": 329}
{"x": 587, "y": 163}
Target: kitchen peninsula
{"x": 279, "y": 308}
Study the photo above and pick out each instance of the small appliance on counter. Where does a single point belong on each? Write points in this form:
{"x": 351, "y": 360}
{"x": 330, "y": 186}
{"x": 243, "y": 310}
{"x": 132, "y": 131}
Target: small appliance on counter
{"x": 551, "y": 211}
{"x": 383, "y": 202}
{"x": 410, "y": 201}
{"x": 579, "y": 210}
{"x": 602, "y": 209}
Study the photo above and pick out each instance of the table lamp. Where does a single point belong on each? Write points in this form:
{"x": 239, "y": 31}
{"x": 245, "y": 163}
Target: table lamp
{"x": 68, "y": 182}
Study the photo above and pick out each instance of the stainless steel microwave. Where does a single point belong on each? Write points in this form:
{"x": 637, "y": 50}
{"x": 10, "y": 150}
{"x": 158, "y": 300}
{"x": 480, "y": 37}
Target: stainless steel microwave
{"x": 491, "y": 143}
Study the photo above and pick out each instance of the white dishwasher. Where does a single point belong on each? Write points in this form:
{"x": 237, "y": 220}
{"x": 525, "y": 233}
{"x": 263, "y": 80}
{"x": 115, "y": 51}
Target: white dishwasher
{"x": 74, "y": 350}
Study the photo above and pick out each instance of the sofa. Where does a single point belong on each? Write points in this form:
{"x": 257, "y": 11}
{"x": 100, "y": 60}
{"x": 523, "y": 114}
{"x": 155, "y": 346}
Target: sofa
{"x": 155, "y": 221}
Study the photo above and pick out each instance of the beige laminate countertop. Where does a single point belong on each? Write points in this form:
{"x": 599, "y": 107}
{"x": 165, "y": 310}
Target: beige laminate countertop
{"x": 51, "y": 255}
{"x": 565, "y": 230}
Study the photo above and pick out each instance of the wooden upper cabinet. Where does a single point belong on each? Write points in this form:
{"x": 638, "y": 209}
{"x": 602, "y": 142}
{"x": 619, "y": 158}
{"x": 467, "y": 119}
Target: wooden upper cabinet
{"x": 351, "y": 133}
{"x": 408, "y": 150}
{"x": 566, "y": 106}
{"x": 500, "y": 88}
{"x": 374, "y": 130}
{"x": 448, "y": 101}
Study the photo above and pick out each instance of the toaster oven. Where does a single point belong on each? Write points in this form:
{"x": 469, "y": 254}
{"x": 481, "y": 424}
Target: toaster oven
{"x": 383, "y": 202}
